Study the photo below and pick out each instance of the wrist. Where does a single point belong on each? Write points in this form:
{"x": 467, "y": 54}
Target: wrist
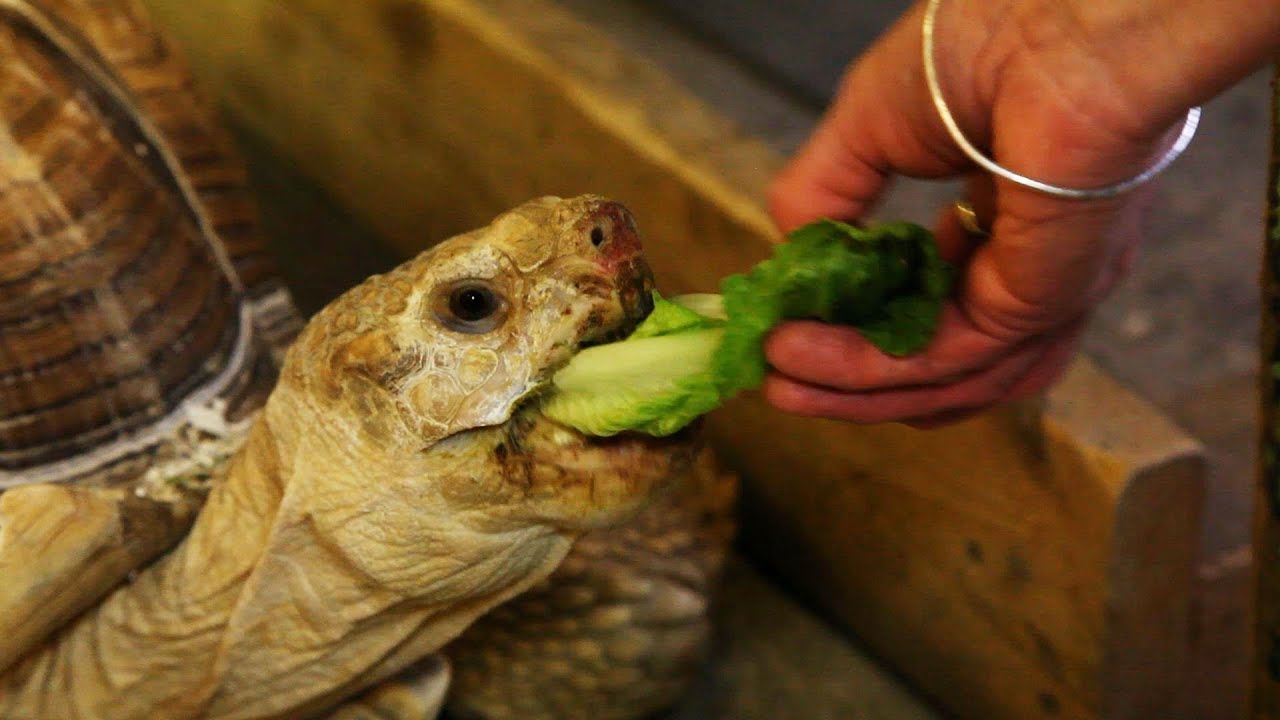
{"x": 1157, "y": 58}
{"x": 1083, "y": 94}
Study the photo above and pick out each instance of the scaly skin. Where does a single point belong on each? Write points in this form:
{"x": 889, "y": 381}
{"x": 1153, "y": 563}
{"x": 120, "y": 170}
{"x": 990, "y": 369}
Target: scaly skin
{"x": 394, "y": 489}
{"x": 620, "y": 628}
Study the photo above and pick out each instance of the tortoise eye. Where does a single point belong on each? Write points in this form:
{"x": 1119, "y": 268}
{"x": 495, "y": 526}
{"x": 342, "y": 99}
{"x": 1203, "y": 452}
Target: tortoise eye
{"x": 470, "y": 306}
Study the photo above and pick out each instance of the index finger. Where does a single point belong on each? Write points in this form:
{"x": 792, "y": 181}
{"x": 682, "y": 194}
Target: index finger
{"x": 881, "y": 123}
{"x": 839, "y": 357}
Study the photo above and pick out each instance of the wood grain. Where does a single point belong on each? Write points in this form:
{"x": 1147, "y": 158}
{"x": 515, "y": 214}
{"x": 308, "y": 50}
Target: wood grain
{"x": 1024, "y": 564}
{"x": 1266, "y": 650}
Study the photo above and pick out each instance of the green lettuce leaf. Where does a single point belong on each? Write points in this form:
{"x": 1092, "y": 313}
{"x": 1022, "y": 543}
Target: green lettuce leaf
{"x": 694, "y": 352}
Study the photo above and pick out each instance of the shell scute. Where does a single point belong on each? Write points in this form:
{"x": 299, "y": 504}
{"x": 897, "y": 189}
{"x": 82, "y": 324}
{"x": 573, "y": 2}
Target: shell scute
{"x": 120, "y": 302}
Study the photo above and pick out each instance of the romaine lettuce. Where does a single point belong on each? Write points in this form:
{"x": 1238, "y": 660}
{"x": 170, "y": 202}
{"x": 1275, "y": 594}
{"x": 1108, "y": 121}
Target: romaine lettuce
{"x": 694, "y": 352}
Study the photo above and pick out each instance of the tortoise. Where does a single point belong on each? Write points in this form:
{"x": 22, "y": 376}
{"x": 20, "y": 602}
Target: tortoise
{"x": 208, "y": 512}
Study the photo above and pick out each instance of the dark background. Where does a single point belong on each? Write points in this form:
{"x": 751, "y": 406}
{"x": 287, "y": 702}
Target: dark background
{"x": 802, "y": 45}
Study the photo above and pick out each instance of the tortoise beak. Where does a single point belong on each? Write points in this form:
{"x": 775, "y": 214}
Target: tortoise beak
{"x": 635, "y": 290}
{"x": 611, "y": 239}
{"x": 614, "y": 239}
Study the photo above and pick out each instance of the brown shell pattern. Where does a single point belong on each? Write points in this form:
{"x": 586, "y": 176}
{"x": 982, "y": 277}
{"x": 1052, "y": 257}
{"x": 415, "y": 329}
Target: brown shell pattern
{"x": 136, "y": 299}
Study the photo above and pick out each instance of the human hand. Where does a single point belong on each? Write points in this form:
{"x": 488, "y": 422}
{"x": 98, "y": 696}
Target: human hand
{"x": 1075, "y": 93}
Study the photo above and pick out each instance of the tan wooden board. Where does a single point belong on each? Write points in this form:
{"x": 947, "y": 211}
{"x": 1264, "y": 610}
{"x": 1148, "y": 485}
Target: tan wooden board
{"x": 1266, "y": 662}
{"x": 1023, "y": 564}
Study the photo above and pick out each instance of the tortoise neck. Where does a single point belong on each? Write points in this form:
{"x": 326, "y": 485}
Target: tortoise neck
{"x": 313, "y": 570}
{"x": 229, "y": 536}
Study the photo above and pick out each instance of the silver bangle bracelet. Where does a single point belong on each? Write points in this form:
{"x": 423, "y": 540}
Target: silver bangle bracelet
{"x": 1106, "y": 191}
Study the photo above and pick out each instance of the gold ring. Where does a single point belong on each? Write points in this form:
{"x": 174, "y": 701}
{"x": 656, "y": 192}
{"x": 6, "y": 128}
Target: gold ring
{"x": 968, "y": 218}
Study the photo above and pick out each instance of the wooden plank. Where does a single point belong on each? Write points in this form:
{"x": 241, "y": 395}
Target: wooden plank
{"x": 1016, "y": 566}
{"x": 1266, "y": 664}
{"x": 385, "y": 102}
{"x": 1024, "y": 564}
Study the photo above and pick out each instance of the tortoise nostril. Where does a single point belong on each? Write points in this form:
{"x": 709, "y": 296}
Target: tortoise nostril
{"x": 597, "y": 236}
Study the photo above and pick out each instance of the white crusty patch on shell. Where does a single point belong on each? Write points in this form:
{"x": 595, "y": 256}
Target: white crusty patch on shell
{"x": 195, "y": 455}
{"x": 203, "y": 403}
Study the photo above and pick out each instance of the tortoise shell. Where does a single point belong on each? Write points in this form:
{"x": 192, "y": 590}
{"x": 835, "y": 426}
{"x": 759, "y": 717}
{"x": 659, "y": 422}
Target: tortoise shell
{"x": 136, "y": 299}
{"x": 141, "y": 319}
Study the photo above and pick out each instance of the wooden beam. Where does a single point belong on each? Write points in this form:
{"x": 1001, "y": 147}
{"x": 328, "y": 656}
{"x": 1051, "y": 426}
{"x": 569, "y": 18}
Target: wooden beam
{"x": 1266, "y": 664}
{"x": 1031, "y": 563}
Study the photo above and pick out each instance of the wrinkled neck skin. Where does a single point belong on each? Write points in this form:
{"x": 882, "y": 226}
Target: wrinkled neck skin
{"x": 318, "y": 567}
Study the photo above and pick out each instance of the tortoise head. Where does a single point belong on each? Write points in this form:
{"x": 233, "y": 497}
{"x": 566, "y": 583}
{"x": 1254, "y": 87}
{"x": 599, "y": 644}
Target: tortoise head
{"x": 430, "y": 373}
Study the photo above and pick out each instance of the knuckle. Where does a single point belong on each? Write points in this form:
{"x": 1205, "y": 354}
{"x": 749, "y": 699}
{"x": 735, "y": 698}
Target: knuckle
{"x": 1012, "y": 320}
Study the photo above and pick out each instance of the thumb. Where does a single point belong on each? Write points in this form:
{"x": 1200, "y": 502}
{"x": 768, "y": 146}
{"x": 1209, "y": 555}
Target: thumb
{"x": 1044, "y": 260}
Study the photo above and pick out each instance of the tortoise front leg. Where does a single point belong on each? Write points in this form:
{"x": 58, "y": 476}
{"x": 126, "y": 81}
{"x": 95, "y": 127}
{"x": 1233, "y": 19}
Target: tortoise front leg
{"x": 416, "y": 694}
{"x": 63, "y": 547}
